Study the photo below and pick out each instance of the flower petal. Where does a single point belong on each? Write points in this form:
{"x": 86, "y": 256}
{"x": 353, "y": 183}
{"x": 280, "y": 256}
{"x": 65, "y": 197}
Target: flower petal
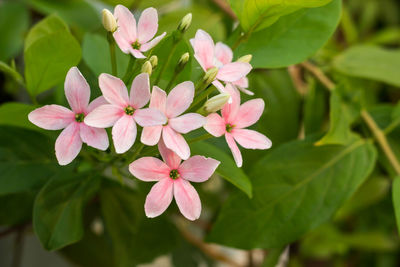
{"x": 219, "y": 86}
{"x": 51, "y": 117}
{"x": 158, "y": 99}
{"x": 149, "y": 169}
{"x": 124, "y": 134}
{"x": 223, "y": 53}
{"x": 169, "y": 156}
{"x": 126, "y": 24}
{"x": 77, "y": 90}
{"x": 249, "y": 113}
{"x": 124, "y": 44}
{"x": 151, "y": 135}
{"x": 242, "y": 83}
{"x": 147, "y": 46}
{"x": 104, "y": 116}
{"x": 159, "y": 198}
{"x": 97, "y": 103}
{"x": 68, "y": 144}
{"x": 203, "y": 46}
{"x": 176, "y": 142}
{"x": 148, "y": 25}
{"x": 136, "y": 53}
{"x": 149, "y": 117}
{"x": 179, "y": 99}
{"x": 235, "y": 149}
{"x": 187, "y": 122}
{"x": 94, "y": 137}
{"x": 198, "y": 168}
{"x": 251, "y": 139}
{"x": 114, "y": 90}
{"x": 234, "y": 71}
{"x": 215, "y": 125}
{"x": 187, "y": 199}
{"x": 230, "y": 110}
{"x": 140, "y": 91}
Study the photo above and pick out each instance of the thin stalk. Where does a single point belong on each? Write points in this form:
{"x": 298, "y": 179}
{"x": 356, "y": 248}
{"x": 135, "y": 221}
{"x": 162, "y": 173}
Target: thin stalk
{"x": 392, "y": 126}
{"x": 18, "y": 247}
{"x": 111, "y": 44}
{"x": 129, "y": 69}
{"x": 171, "y": 82}
{"x": 164, "y": 66}
{"x": 200, "y": 97}
{"x": 136, "y": 153}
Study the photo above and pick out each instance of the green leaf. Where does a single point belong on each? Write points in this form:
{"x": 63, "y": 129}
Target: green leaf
{"x": 296, "y": 187}
{"x": 57, "y": 213}
{"x": 16, "y": 208}
{"x": 11, "y": 72}
{"x": 370, "y": 62}
{"x": 16, "y": 114}
{"x": 293, "y": 38}
{"x": 227, "y": 169}
{"x": 256, "y": 15}
{"x": 314, "y": 108}
{"x": 50, "y": 51}
{"x": 396, "y": 200}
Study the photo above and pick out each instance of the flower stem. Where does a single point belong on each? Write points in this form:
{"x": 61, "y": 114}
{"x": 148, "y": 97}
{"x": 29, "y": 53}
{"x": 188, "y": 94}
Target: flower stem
{"x": 111, "y": 44}
{"x": 164, "y": 66}
{"x": 129, "y": 69}
{"x": 201, "y": 96}
{"x": 171, "y": 82}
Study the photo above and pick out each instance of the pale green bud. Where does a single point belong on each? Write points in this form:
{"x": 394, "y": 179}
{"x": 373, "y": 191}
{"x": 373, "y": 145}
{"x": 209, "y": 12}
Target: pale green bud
{"x": 147, "y": 68}
{"x": 245, "y": 59}
{"x": 154, "y": 61}
{"x": 182, "y": 62}
{"x": 217, "y": 102}
{"x": 210, "y": 75}
{"x": 109, "y": 22}
{"x": 185, "y": 23}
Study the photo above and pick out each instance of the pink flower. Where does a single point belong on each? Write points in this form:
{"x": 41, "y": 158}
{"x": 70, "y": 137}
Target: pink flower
{"x": 132, "y": 39}
{"x": 172, "y": 179}
{"x": 235, "y": 118}
{"x": 124, "y": 111}
{"x": 178, "y": 100}
{"x": 220, "y": 55}
{"x": 76, "y": 131}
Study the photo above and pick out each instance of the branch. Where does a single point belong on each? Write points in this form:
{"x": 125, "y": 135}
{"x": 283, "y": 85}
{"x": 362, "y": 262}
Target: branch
{"x": 319, "y": 74}
{"x": 225, "y": 7}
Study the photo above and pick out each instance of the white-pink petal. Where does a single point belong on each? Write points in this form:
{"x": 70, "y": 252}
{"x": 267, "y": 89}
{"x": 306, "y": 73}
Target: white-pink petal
{"x": 147, "y": 46}
{"x": 77, "y": 90}
{"x": 140, "y": 91}
{"x": 158, "y": 99}
{"x": 203, "y": 46}
{"x": 147, "y": 25}
{"x": 215, "y": 125}
{"x": 187, "y": 199}
{"x": 249, "y": 113}
{"x": 187, "y": 122}
{"x": 151, "y": 135}
{"x": 198, "y": 168}
{"x": 94, "y": 137}
{"x": 223, "y": 53}
{"x": 149, "y": 117}
{"x": 51, "y": 117}
{"x": 169, "y": 157}
{"x": 235, "y": 149}
{"x": 234, "y": 71}
{"x": 124, "y": 134}
{"x": 126, "y": 23}
{"x": 159, "y": 198}
{"x": 230, "y": 110}
{"x": 68, "y": 144}
{"x": 114, "y": 90}
{"x": 179, "y": 99}
{"x": 136, "y": 53}
{"x": 104, "y": 116}
{"x": 251, "y": 139}
{"x": 97, "y": 102}
{"x": 149, "y": 169}
{"x": 176, "y": 142}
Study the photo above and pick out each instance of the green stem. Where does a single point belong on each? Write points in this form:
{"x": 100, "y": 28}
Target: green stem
{"x": 111, "y": 44}
{"x": 200, "y": 97}
{"x": 392, "y": 126}
{"x": 129, "y": 70}
{"x": 171, "y": 82}
{"x": 136, "y": 153}
{"x": 164, "y": 66}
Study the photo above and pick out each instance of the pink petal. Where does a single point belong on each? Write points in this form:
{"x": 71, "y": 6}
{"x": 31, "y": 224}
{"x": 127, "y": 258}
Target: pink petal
{"x": 230, "y": 110}
{"x": 140, "y": 91}
{"x": 169, "y": 157}
{"x": 247, "y": 92}
{"x": 251, "y": 139}
{"x": 176, "y": 142}
{"x": 215, "y": 125}
{"x": 148, "y": 25}
{"x": 159, "y": 198}
{"x": 223, "y": 53}
{"x": 151, "y": 135}
{"x": 187, "y": 199}
{"x": 158, "y": 99}
{"x": 234, "y": 71}
{"x": 124, "y": 44}
{"x": 114, "y": 90}
{"x": 149, "y": 169}
{"x": 235, "y": 150}
{"x": 219, "y": 86}
{"x": 124, "y": 134}
{"x": 104, "y": 116}
{"x": 77, "y": 90}
{"x": 94, "y": 137}
{"x": 243, "y": 83}
{"x": 126, "y": 24}
{"x": 51, "y": 117}
{"x": 97, "y": 103}
{"x": 68, "y": 144}
{"x": 198, "y": 168}
{"x": 249, "y": 113}
{"x": 147, "y": 46}
{"x": 136, "y": 53}
{"x": 203, "y": 46}
{"x": 187, "y": 123}
{"x": 149, "y": 117}
{"x": 179, "y": 99}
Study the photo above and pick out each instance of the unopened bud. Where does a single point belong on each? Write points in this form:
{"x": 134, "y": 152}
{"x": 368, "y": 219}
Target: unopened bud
{"x": 154, "y": 61}
{"x": 147, "y": 68}
{"x": 109, "y": 22}
{"x": 185, "y": 23}
{"x": 182, "y": 62}
{"x": 217, "y": 102}
{"x": 245, "y": 59}
{"x": 210, "y": 75}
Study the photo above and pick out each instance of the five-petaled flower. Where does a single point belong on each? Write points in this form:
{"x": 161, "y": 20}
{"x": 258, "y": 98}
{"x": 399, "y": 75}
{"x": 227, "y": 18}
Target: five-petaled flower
{"x": 124, "y": 111}
{"x": 235, "y": 118}
{"x": 172, "y": 179}
{"x": 220, "y": 55}
{"x": 76, "y": 131}
{"x": 132, "y": 39}
{"x": 178, "y": 100}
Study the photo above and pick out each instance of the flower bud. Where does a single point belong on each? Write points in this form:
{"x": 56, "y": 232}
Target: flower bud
{"x": 154, "y": 61}
{"x": 210, "y": 75}
{"x": 182, "y": 62}
{"x": 217, "y": 102}
{"x": 147, "y": 68}
{"x": 185, "y": 23}
{"x": 245, "y": 59}
{"x": 109, "y": 22}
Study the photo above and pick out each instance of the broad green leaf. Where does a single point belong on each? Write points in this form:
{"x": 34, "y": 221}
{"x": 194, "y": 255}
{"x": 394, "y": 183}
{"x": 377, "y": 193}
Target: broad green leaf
{"x": 296, "y": 187}
{"x": 273, "y": 256}
{"x": 48, "y": 56}
{"x": 256, "y": 15}
{"x": 370, "y": 62}
{"x": 16, "y": 208}
{"x": 396, "y": 200}
{"x": 293, "y": 38}
{"x": 11, "y": 72}
{"x": 58, "y": 208}
{"x": 16, "y": 114}
{"x": 14, "y": 22}
{"x": 227, "y": 169}
{"x": 314, "y": 108}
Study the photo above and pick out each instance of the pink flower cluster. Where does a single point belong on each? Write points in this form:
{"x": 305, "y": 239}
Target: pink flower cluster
{"x": 164, "y": 121}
